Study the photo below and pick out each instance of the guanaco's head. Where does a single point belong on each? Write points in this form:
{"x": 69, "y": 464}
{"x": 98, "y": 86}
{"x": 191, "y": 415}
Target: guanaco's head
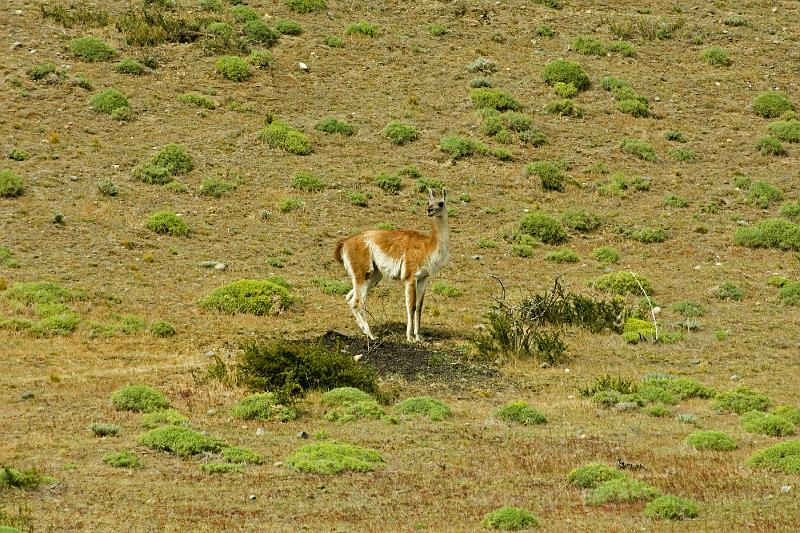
{"x": 437, "y": 205}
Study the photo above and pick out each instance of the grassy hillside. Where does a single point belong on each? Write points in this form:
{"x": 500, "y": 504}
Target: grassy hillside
{"x": 186, "y": 146}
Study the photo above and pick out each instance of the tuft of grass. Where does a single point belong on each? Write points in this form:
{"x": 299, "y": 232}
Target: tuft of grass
{"x": 606, "y": 254}
{"x": 109, "y": 101}
{"x": 566, "y": 72}
{"x": 390, "y": 183}
{"x": 262, "y": 406}
{"x": 91, "y": 49}
{"x": 164, "y": 417}
{"x": 180, "y": 441}
{"x": 258, "y": 31}
{"x": 220, "y": 468}
{"x": 352, "y": 411}
{"x": 167, "y": 223}
{"x": 682, "y": 154}
{"x": 592, "y": 475}
{"x": 710, "y": 440}
{"x": 577, "y": 219}
{"x": 123, "y": 459}
{"x": 728, "y": 291}
{"x": 770, "y": 233}
{"x": 288, "y": 27}
{"x": 520, "y": 412}
{"x": 443, "y": 289}
{"x": 641, "y": 149}
{"x": 787, "y": 130}
{"x": 28, "y": 479}
{"x": 216, "y": 187}
{"x": 457, "y": 146}
{"x": 104, "y": 430}
{"x": 331, "y": 286}
{"x": 621, "y": 490}
{"x": 762, "y": 194}
{"x": 588, "y": 46}
{"x": 400, "y": 133}
{"x": 544, "y": 30}
{"x": 676, "y": 201}
{"x": 563, "y": 256}
{"x": 543, "y": 227}
{"x": 717, "y": 57}
{"x": 789, "y": 412}
{"x": 233, "y": 68}
{"x": 269, "y": 296}
{"x": 623, "y": 48}
{"x": 279, "y": 134}
{"x": 437, "y": 30}
{"x": 334, "y": 125}
{"x": 740, "y": 400}
{"x": 7, "y": 259}
{"x": 306, "y": 181}
{"x": 344, "y": 395}
{"x": 424, "y": 406}
{"x": 671, "y": 508}
{"x": 288, "y": 205}
{"x": 328, "y": 457}
{"x": 783, "y": 457}
{"x": 364, "y": 29}
{"x": 766, "y": 424}
{"x": 139, "y": 398}
{"x": 485, "y": 97}
{"x": 772, "y": 104}
{"x": 234, "y": 454}
{"x": 334, "y": 41}
{"x": 623, "y": 283}
{"x": 306, "y": 6}
{"x": 648, "y": 235}
{"x": 770, "y": 146}
{"x": 675, "y": 136}
{"x": 129, "y": 66}
{"x": 790, "y": 293}
{"x": 510, "y": 519}
{"x": 11, "y": 184}
{"x": 199, "y": 100}
{"x": 563, "y": 108}
{"x": 550, "y": 173}
{"x": 162, "y": 329}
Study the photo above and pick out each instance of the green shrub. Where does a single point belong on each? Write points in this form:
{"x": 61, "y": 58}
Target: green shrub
{"x": 234, "y": 454}
{"x": 710, "y": 440}
{"x": 633, "y": 107}
{"x": 786, "y": 130}
{"x": 484, "y": 65}
{"x": 522, "y": 250}
{"x": 740, "y": 400}
{"x": 788, "y": 412}
{"x": 306, "y": 6}
{"x": 109, "y": 101}
{"x": 657, "y": 411}
{"x": 790, "y": 293}
{"x": 198, "y": 100}
{"x": 362, "y": 28}
{"x": 565, "y": 72}
{"x": 278, "y": 134}
{"x": 357, "y": 198}
{"x": 216, "y": 187}
{"x": 11, "y": 184}
{"x": 174, "y": 158}
{"x": 261, "y": 59}
{"x": 606, "y": 254}
{"x": 543, "y": 227}
{"x": 36, "y": 292}
{"x": 443, "y": 289}
{"x": 437, "y": 30}
{"x": 288, "y": 27}
{"x": 621, "y": 184}
{"x": 390, "y": 183}
{"x": 688, "y": 308}
{"x": 233, "y": 68}
{"x": 671, "y": 508}
{"x": 180, "y": 441}
{"x": 717, "y": 57}
{"x": 242, "y": 13}
{"x": 263, "y": 406}
{"x": 588, "y": 46}
{"x": 259, "y": 32}
{"x": 577, "y": 219}
{"x": 549, "y": 173}
{"x": 762, "y": 194}
{"x": 457, "y": 147}
{"x": 521, "y": 413}
{"x": 220, "y": 468}
{"x": 675, "y": 136}
{"x": 296, "y": 367}
{"x": 766, "y": 424}
{"x": 400, "y": 133}
{"x": 352, "y": 411}
{"x": 328, "y": 458}
{"x": 634, "y": 331}
{"x": 544, "y": 30}
{"x": 610, "y": 83}
{"x": 28, "y": 479}
{"x": 269, "y": 296}
{"x": 563, "y": 108}
{"x": 344, "y": 395}
{"x": 107, "y": 187}
{"x": 167, "y": 223}
{"x": 162, "y": 329}
{"x": 623, "y": 48}
{"x": 770, "y": 233}
{"x": 42, "y": 70}
{"x": 290, "y": 204}
{"x": 563, "y": 256}
{"x": 6, "y": 258}
{"x": 648, "y": 235}
{"x": 770, "y": 146}
{"x": 332, "y": 287}
{"x": 791, "y": 210}
{"x": 164, "y": 417}
{"x": 622, "y": 283}
{"x": 334, "y": 41}
{"x": 619, "y": 491}
{"x": 728, "y": 291}
{"x": 334, "y": 125}
{"x": 129, "y": 66}
{"x": 593, "y": 475}
{"x": 210, "y": 5}
{"x": 424, "y": 406}
{"x": 771, "y": 104}
{"x": 676, "y": 201}
{"x": 104, "y": 430}
{"x": 493, "y": 99}
{"x": 123, "y": 459}
{"x": 639, "y": 148}
{"x": 510, "y": 519}
{"x": 152, "y": 173}
{"x": 140, "y": 398}
{"x": 18, "y": 154}
{"x": 783, "y": 457}
{"x": 306, "y": 181}
{"x": 91, "y": 49}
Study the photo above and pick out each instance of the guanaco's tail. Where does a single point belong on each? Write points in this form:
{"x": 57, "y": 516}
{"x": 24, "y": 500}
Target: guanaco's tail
{"x": 337, "y": 250}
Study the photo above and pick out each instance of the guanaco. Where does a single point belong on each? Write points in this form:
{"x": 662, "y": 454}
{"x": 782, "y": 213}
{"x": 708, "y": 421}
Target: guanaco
{"x": 397, "y": 254}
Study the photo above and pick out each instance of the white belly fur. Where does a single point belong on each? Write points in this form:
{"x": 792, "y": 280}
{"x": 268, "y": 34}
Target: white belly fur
{"x": 393, "y": 268}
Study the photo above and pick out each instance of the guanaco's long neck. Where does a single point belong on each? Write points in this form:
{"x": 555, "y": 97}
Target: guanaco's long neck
{"x": 440, "y": 232}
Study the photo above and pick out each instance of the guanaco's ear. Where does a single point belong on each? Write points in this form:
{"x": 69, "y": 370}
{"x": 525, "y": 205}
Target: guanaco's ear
{"x": 430, "y": 193}
{"x": 444, "y": 194}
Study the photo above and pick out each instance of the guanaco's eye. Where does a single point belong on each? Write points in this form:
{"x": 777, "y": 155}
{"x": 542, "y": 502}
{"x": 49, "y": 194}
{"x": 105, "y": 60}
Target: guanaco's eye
{"x": 441, "y": 204}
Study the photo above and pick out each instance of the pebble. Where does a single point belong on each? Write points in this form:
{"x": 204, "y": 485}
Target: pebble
{"x": 278, "y": 464}
{"x": 75, "y": 178}
{"x": 210, "y": 353}
{"x": 695, "y": 361}
{"x": 27, "y": 395}
{"x": 15, "y": 45}
{"x": 211, "y": 412}
{"x": 566, "y": 370}
{"x": 734, "y": 377}
{"x": 544, "y": 365}
{"x": 260, "y": 432}
{"x": 476, "y": 257}
{"x": 656, "y": 310}
{"x": 18, "y": 12}
{"x": 302, "y": 435}
{"x": 358, "y": 357}
{"x": 251, "y": 497}
{"x": 220, "y": 266}
{"x": 302, "y": 66}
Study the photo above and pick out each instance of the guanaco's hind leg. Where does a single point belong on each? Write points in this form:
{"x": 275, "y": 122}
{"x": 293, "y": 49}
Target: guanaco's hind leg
{"x": 421, "y": 285}
{"x": 411, "y": 305}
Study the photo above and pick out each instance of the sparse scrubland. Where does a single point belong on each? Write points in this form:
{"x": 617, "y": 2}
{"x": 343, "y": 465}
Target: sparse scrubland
{"x": 611, "y": 347}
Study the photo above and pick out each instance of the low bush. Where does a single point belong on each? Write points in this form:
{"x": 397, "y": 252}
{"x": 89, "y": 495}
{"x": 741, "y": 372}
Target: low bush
{"x": 140, "y": 398}
{"x": 334, "y": 125}
{"x": 620, "y": 491}
{"x": 550, "y": 174}
{"x": 233, "y": 68}
{"x": 543, "y": 227}
{"x": 288, "y": 27}
{"x": 766, "y": 424}
{"x": 457, "y": 147}
{"x": 364, "y": 29}
{"x": 671, "y": 508}
{"x": 332, "y": 286}
{"x": 786, "y": 130}
{"x": 710, "y": 440}
{"x": 306, "y": 181}
{"x": 215, "y": 187}
{"x": 167, "y": 223}
{"x": 623, "y": 283}
{"x": 606, "y": 254}
{"x": 390, "y": 183}
{"x": 162, "y": 329}
{"x": 306, "y": 6}
{"x": 493, "y": 99}
{"x": 728, "y": 291}
{"x": 278, "y": 134}
{"x": 577, "y": 219}
{"x": 109, "y": 101}
{"x": 104, "y": 430}
{"x": 28, "y": 479}
{"x": 717, "y": 57}
{"x": 783, "y": 457}
{"x": 521, "y": 413}
{"x": 234, "y": 454}
{"x": 565, "y": 90}
{"x": 443, "y": 289}
{"x": 91, "y": 49}
{"x": 563, "y": 108}
{"x": 566, "y": 72}
{"x": 352, "y": 411}
{"x": 264, "y": 406}
{"x": 740, "y": 400}
{"x": 328, "y": 458}
{"x": 11, "y": 184}
{"x": 269, "y": 296}
{"x": 762, "y": 194}
{"x": 164, "y": 417}
{"x": 772, "y": 104}
{"x": 424, "y": 406}
{"x": 770, "y": 146}
{"x": 638, "y": 148}
{"x": 400, "y": 133}
{"x": 791, "y": 210}
{"x": 588, "y": 46}
{"x": 123, "y": 459}
{"x": 174, "y": 158}
{"x": 257, "y": 31}
{"x": 220, "y": 468}
{"x": 688, "y": 308}
{"x": 199, "y": 100}
{"x": 770, "y": 233}
{"x": 563, "y": 256}
{"x": 180, "y": 441}
{"x": 593, "y": 475}
{"x": 129, "y": 66}
{"x": 790, "y": 293}
{"x": 682, "y": 154}
{"x": 510, "y": 519}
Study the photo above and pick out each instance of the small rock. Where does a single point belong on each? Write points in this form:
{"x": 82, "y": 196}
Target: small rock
{"x": 251, "y": 497}
{"x": 358, "y": 357}
{"x": 220, "y": 266}
{"x": 566, "y": 370}
{"x": 27, "y": 395}
{"x": 18, "y": 12}
{"x": 302, "y": 66}
{"x": 695, "y": 361}
{"x": 75, "y": 178}
{"x": 260, "y": 432}
{"x": 657, "y": 98}
{"x": 785, "y": 489}
{"x": 15, "y": 45}
{"x": 278, "y": 464}
{"x": 583, "y": 435}
{"x": 302, "y": 435}
{"x": 545, "y": 365}
{"x": 210, "y": 353}
{"x": 476, "y": 257}
{"x": 734, "y": 377}
{"x": 608, "y": 269}
{"x": 656, "y": 310}
{"x": 211, "y": 412}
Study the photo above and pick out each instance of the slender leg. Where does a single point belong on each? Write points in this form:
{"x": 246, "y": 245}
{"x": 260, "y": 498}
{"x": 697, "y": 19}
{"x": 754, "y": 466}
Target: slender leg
{"x": 363, "y": 290}
{"x": 421, "y": 286}
{"x": 411, "y": 304}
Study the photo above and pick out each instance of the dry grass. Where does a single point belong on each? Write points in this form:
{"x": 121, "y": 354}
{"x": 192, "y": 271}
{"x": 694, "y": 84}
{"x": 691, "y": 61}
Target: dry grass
{"x": 439, "y": 475}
